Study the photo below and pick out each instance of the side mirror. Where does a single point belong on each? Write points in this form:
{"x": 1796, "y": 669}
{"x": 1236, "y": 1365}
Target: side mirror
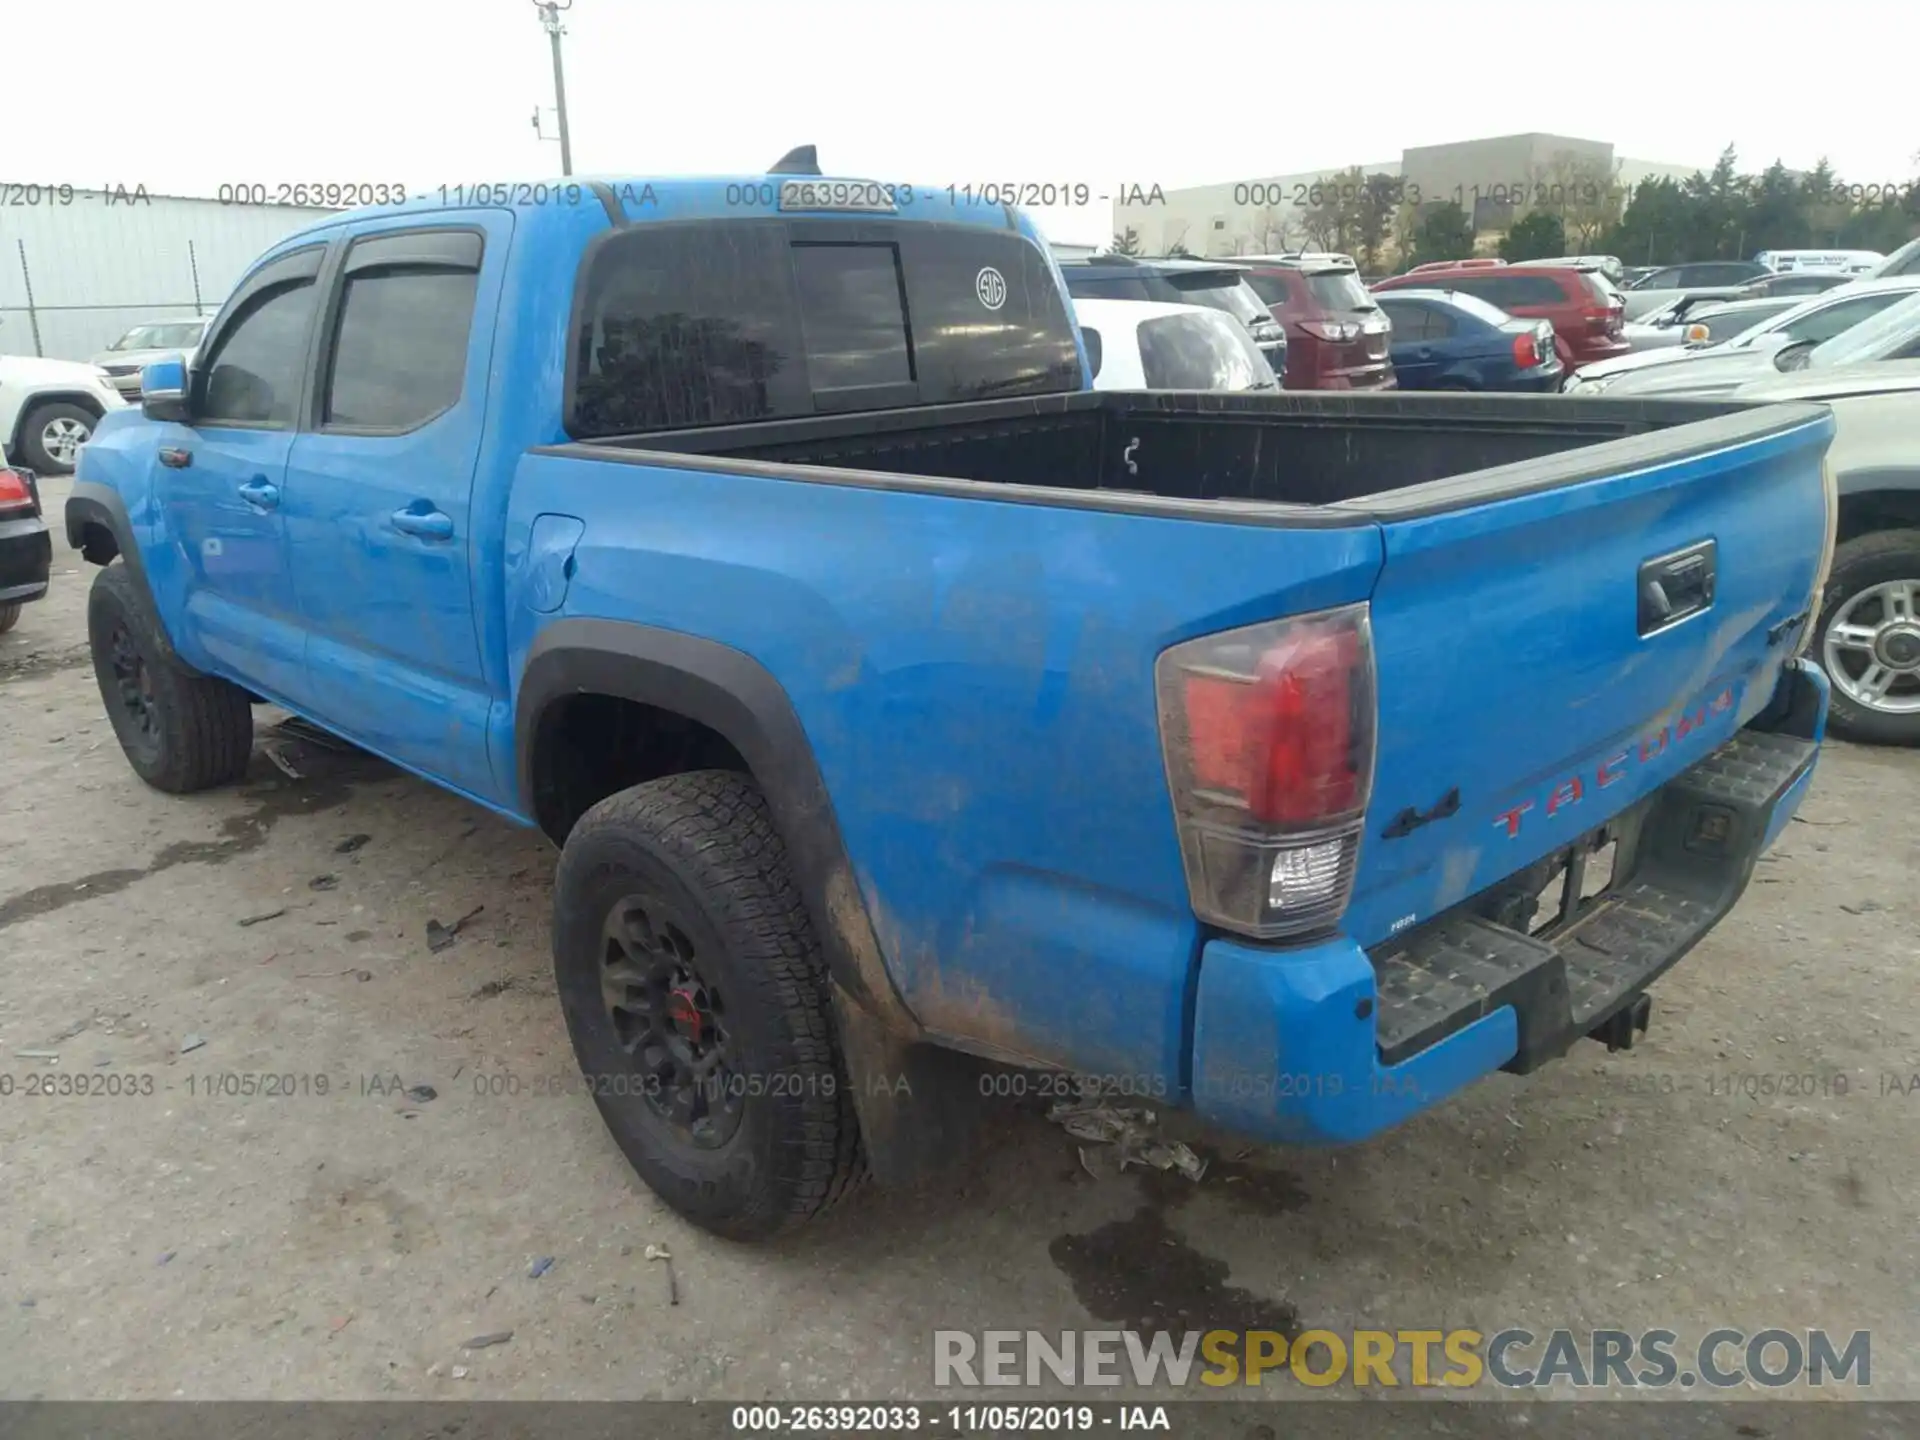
{"x": 163, "y": 389}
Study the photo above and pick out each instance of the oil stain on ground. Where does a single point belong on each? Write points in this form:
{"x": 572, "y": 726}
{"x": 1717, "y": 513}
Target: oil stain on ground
{"x": 322, "y": 785}
{"x": 1140, "y": 1274}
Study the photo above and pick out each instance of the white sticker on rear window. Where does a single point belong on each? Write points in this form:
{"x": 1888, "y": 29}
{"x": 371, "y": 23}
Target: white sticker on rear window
{"x": 991, "y": 286}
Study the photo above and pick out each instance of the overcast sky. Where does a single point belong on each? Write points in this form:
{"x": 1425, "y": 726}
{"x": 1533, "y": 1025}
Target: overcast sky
{"x": 184, "y": 95}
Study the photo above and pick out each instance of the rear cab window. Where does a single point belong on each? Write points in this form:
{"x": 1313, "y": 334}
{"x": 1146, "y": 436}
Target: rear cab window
{"x": 681, "y": 325}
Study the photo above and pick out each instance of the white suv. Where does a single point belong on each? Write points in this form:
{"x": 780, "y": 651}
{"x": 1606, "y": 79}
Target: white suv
{"x": 48, "y": 409}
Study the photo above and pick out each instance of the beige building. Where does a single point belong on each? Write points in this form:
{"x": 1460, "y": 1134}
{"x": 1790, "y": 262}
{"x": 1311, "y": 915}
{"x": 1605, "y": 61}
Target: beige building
{"x": 1494, "y": 180}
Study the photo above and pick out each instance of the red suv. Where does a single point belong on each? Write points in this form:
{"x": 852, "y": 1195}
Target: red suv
{"x": 1336, "y": 336}
{"x": 1586, "y": 311}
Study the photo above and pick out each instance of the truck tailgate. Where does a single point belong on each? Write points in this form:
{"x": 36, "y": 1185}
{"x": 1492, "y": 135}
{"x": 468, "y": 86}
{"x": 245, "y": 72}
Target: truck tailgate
{"x": 1555, "y": 641}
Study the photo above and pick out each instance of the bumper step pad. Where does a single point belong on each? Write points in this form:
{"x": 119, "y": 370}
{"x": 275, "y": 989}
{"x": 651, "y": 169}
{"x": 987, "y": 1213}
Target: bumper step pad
{"x": 1685, "y": 854}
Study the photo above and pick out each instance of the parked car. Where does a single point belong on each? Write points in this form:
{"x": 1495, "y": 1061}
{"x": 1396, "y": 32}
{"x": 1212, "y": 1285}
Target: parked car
{"x": 49, "y": 409}
{"x": 1716, "y": 368}
{"x": 1866, "y": 634}
{"x": 1181, "y": 282}
{"x": 1694, "y": 321}
{"x": 1453, "y": 341}
{"x": 1583, "y": 307}
{"x": 1336, "y": 335}
{"x": 1794, "y": 282}
{"x": 26, "y": 549}
{"x": 1607, "y": 265}
{"x": 1904, "y": 261}
{"x": 1142, "y": 345}
{"x": 893, "y": 696}
{"x": 1721, "y": 279}
{"x": 1851, "y": 262}
{"x": 123, "y": 359}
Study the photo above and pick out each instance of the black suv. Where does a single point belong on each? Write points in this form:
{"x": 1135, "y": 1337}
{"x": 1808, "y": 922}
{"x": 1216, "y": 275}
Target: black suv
{"x": 1181, "y": 282}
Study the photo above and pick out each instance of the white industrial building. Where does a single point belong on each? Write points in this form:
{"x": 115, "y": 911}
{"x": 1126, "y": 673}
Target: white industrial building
{"x": 78, "y": 268}
{"x": 1266, "y": 214}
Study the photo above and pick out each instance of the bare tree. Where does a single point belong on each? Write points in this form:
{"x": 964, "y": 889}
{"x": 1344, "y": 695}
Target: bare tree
{"x": 1583, "y": 190}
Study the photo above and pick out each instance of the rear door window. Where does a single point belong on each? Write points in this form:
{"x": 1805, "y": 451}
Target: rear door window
{"x": 1415, "y": 321}
{"x": 717, "y": 324}
{"x": 1838, "y": 318}
{"x": 399, "y": 353}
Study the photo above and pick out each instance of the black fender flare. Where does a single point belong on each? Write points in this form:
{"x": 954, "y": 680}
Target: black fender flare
{"x": 734, "y": 695}
{"x": 918, "y": 1103}
{"x": 97, "y": 507}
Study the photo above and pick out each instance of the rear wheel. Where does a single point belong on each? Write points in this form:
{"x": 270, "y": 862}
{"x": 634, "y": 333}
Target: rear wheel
{"x": 181, "y": 731}
{"x": 1868, "y": 638}
{"x": 9, "y": 616}
{"x": 698, "y": 1005}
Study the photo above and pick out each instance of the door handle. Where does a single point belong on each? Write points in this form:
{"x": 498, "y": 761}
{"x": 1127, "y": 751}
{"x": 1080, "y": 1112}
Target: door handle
{"x": 174, "y": 458}
{"x": 426, "y": 524}
{"x": 1675, "y": 586}
{"x": 260, "y": 493}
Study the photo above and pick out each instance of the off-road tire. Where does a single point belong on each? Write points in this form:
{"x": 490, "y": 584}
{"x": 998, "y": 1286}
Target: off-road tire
{"x": 704, "y": 845}
{"x": 202, "y": 733}
{"x": 1865, "y": 560}
{"x": 9, "y": 616}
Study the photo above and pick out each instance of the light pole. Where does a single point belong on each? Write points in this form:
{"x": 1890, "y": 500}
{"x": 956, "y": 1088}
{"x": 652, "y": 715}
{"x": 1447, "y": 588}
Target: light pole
{"x": 550, "y": 18}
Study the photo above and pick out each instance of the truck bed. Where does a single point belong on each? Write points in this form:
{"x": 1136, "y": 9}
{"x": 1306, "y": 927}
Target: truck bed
{"x": 1299, "y": 449}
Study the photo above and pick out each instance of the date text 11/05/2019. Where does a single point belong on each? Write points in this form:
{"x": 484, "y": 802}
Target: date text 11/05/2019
{"x": 959, "y": 1419}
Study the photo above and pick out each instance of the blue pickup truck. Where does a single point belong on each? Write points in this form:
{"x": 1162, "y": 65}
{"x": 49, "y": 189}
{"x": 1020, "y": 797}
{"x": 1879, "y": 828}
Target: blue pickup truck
{"x": 903, "y": 708}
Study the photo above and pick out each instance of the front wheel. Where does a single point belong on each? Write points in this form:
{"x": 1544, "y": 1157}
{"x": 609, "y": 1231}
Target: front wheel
{"x": 1868, "y": 638}
{"x": 698, "y": 1004}
{"x": 181, "y": 731}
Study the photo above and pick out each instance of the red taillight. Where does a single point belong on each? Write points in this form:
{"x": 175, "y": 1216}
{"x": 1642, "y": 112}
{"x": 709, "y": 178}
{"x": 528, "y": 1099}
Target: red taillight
{"x": 14, "y": 494}
{"x": 1525, "y": 355}
{"x": 1337, "y": 332}
{"x": 1269, "y": 735}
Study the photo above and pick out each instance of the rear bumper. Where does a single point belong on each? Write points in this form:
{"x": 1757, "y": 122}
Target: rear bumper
{"x": 1541, "y": 380}
{"x": 26, "y": 558}
{"x": 1331, "y": 1044}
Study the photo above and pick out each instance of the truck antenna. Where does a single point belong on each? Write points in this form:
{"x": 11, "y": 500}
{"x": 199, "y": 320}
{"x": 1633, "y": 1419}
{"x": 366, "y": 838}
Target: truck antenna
{"x": 801, "y": 160}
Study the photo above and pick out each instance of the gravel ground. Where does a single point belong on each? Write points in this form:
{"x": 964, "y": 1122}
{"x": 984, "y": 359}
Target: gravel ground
{"x": 193, "y": 1240}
